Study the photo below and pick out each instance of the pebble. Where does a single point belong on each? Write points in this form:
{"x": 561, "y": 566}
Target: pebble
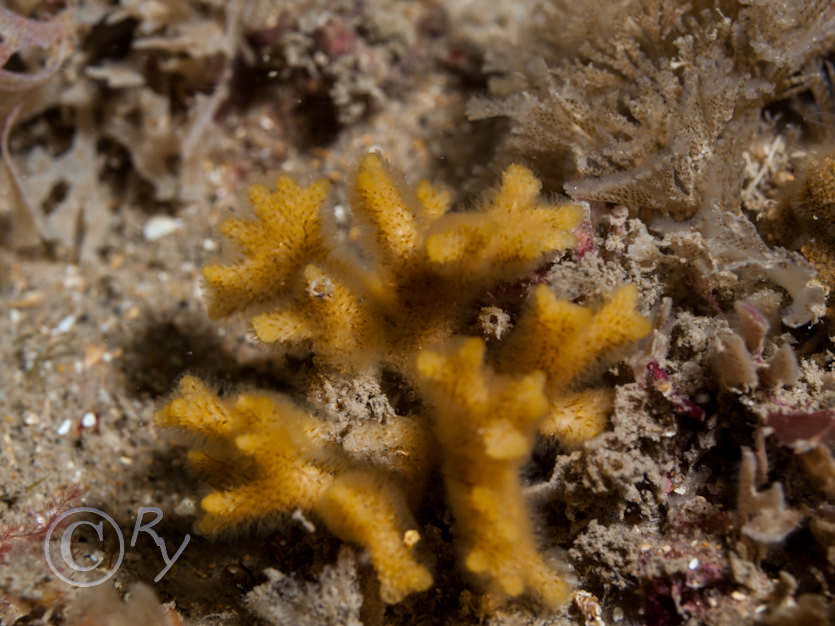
{"x": 64, "y": 325}
{"x": 161, "y": 225}
{"x": 28, "y": 300}
{"x": 306, "y": 523}
{"x": 185, "y": 508}
{"x": 73, "y": 280}
{"x": 64, "y": 428}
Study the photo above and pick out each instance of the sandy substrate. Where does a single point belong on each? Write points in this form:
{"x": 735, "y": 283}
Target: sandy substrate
{"x": 91, "y": 345}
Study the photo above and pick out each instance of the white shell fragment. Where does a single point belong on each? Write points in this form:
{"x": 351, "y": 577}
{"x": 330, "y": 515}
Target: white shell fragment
{"x": 161, "y": 225}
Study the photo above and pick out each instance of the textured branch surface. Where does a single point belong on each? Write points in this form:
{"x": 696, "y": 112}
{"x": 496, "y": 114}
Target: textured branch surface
{"x": 422, "y": 270}
{"x": 485, "y": 425}
{"x": 426, "y": 265}
{"x": 265, "y": 456}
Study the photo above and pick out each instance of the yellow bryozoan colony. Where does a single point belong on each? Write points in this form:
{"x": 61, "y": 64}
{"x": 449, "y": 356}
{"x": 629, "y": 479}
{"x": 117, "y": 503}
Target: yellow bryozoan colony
{"x": 287, "y": 464}
{"x": 426, "y": 265}
{"x": 422, "y": 271}
{"x": 486, "y": 425}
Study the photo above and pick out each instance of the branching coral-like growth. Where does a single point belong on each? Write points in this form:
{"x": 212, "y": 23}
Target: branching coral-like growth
{"x": 369, "y": 509}
{"x": 564, "y": 340}
{"x": 282, "y": 457}
{"x": 267, "y": 434}
{"x": 501, "y": 240}
{"x": 400, "y": 305}
{"x": 284, "y": 237}
{"x": 421, "y": 257}
{"x": 485, "y": 424}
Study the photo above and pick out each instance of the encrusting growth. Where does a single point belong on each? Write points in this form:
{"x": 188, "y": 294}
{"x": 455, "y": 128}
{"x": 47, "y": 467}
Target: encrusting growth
{"x": 400, "y": 306}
